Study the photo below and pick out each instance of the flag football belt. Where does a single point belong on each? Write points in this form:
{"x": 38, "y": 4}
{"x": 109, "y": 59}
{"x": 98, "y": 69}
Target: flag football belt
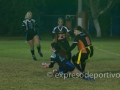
{"x": 79, "y": 54}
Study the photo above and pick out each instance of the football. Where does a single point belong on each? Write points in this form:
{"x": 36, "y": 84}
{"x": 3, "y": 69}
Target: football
{"x": 55, "y": 71}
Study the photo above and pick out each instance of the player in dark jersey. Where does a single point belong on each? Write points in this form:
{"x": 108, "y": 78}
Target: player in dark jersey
{"x": 59, "y": 35}
{"x": 29, "y": 25}
{"x": 59, "y": 56}
{"x": 85, "y": 48}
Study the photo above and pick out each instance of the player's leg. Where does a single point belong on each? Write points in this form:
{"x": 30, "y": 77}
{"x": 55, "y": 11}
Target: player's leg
{"x": 74, "y": 60}
{"x": 83, "y": 59}
{"x": 70, "y": 67}
{"x": 82, "y": 75}
{"x": 76, "y": 71}
{"x": 83, "y": 65}
{"x": 29, "y": 38}
{"x": 67, "y": 67}
{"x": 31, "y": 44}
{"x": 91, "y": 51}
{"x": 37, "y": 42}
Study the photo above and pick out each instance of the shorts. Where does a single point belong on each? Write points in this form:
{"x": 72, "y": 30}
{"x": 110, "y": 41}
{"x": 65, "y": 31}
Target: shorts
{"x": 67, "y": 67}
{"x": 84, "y": 56}
{"x": 30, "y": 36}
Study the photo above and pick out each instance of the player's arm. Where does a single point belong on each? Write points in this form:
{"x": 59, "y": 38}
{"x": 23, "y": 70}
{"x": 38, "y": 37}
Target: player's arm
{"x": 70, "y": 32}
{"x": 49, "y": 65}
{"x": 74, "y": 44}
{"x": 38, "y": 29}
{"x": 24, "y": 27}
{"x": 53, "y": 34}
{"x": 36, "y": 25}
{"x": 52, "y": 61}
{"x": 72, "y": 47}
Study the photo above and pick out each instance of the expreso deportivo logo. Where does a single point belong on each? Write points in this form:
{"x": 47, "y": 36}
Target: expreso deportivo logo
{"x": 78, "y": 75}
{"x": 64, "y": 75}
{"x": 103, "y": 75}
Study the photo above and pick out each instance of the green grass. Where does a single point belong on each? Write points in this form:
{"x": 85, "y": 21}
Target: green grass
{"x": 19, "y": 72}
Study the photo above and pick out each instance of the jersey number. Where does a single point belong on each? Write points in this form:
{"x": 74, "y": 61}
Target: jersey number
{"x": 87, "y": 40}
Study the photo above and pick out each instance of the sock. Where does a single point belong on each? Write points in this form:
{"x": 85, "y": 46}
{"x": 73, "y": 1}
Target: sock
{"x": 83, "y": 64}
{"x": 32, "y": 52}
{"x": 78, "y": 67}
{"x": 39, "y": 48}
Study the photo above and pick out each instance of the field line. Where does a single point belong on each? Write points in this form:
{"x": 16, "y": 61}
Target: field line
{"x": 107, "y": 51}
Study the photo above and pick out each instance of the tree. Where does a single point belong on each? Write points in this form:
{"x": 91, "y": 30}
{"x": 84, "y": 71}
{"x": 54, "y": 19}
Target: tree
{"x": 97, "y": 8}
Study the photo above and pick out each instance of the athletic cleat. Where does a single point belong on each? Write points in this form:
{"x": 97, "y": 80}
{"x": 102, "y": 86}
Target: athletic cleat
{"x": 89, "y": 79}
{"x": 34, "y": 58}
{"x": 41, "y": 55}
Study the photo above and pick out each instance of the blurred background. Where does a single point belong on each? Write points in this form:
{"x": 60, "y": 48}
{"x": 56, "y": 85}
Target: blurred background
{"x": 46, "y": 13}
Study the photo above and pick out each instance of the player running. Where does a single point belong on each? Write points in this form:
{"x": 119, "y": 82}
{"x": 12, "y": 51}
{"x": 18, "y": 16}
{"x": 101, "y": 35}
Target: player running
{"x": 29, "y": 26}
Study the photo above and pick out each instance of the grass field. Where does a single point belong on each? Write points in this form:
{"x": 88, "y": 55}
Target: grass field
{"x": 19, "y": 72}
